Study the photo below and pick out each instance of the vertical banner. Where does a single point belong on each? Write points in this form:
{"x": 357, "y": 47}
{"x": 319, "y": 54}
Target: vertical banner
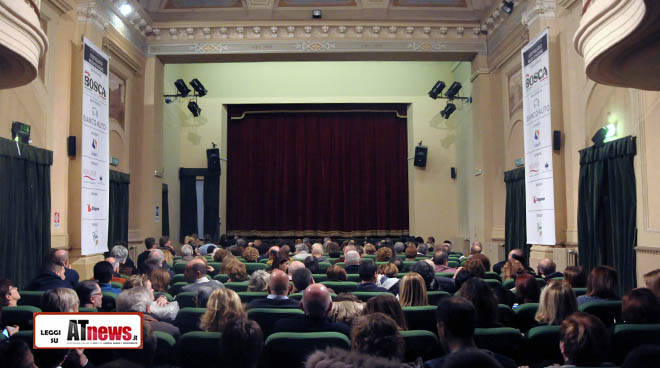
{"x": 95, "y": 151}
{"x": 539, "y": 188}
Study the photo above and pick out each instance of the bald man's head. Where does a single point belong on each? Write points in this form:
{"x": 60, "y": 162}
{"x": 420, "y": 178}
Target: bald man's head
{"x": 195, "y": 269}
{"x": 113, "y": 261}
{"x": 546, "y": 267}
{"x": 516, "y": 254}
{"x": 316, "y": 301}
{"x": 279, "y": 283}
{"x": 294, "y": 266}
{"x": 61, "y": 256}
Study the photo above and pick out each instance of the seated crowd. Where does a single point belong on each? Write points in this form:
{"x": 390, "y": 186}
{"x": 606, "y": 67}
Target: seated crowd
{"x": 395, "y": 304}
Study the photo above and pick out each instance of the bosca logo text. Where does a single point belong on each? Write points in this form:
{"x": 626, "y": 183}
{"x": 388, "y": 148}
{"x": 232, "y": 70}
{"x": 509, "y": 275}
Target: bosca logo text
{"x": 532, "y": 79}
{"x": 93, "y": 85}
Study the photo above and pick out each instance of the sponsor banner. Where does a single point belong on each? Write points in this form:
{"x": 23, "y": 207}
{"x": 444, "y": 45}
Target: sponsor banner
{"x": 87, "y": 331}
{"x": 539, "y": 180}
{"x": 95, "y": 151}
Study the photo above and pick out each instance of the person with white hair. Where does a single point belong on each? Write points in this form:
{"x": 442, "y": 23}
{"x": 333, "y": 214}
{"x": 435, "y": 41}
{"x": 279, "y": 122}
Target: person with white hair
{"x": 399, "y": 247}
{"x": 120, "y": 253}
{"x": 187, "y": 252}
{"x": 316, "y": 303}
{"x": 258, "y": 281}
{"x": 317, "y": 252}
{"x": 139, "y": 299}
{"x": 352, "y": 262}
{"x": 302, "y": 252}
{"x": 156, "y": 259}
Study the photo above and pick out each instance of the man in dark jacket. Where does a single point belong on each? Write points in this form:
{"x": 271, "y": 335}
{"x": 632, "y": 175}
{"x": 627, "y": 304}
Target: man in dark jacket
{"x": 278, "y": 291}
{"x": 548, "y": 269}
{"x": 149, "y": 243}
{"x": 367, "y": 271}
{"x": 52, "y": 277}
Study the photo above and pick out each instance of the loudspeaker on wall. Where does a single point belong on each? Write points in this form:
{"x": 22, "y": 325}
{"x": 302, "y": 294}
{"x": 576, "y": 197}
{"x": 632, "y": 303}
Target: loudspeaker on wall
{"x": 556, "y": 140}
{"x": 213, "y": 160}
{"x": 453, "y": 173}
{"x": 71, "y": 145}
{"x": 420, "y": 156}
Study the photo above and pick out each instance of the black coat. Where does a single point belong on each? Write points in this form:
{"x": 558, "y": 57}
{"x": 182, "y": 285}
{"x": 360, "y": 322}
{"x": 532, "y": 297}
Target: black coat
{"x": 48, "y": 280}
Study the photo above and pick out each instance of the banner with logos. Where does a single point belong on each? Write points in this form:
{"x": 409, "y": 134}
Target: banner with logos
{"x": 95, "y": 151}
{"x": 539, "y": 182}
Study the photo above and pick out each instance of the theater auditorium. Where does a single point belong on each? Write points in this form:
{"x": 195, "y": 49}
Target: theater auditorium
{"x": 329, "y": 183}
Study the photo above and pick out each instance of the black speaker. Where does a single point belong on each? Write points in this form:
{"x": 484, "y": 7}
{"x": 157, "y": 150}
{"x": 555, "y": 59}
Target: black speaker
{"x": 556, "y": 140}
{"x": 453, "y": 173}
{"x": 213, "y": 160}
{"x": 420, "y": 156}
{"x": 71, "y": 145}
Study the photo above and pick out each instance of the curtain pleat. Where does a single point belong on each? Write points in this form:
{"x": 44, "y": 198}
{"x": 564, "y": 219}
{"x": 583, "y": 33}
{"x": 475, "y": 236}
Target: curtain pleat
{"x": 515, "y": 228}
{"x": 188, "y": 213}
{"x": 24, "y": 210}
{"x": 212, "y": 205}
{"x": 118, "y": 208}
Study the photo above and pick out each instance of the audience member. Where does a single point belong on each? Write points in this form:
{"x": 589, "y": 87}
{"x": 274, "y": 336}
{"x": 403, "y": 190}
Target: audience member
{"x": 61, "y": 256}
{"x": 387, "y": 277}
{"x": 339, "y": 358}
{"x": 195, "y": 273}
{"x": 103, "y": 275}
{"x": 60, "y": 300}
{"x": 484, "y": 301}
{"x": 475, "y": 266}
{"x": 388, "y": 305}
{"x": 517, "y": 254}
{"x": 399, "y": 248}
{"x": 219, "y": 255}
{"x": 15, "y": 353}
{"x": 441, "y": 262}
{"x": 640, "y": 306}
{"x": 412, "y": 292}
{"x": 149, "y": 243}
{"x": 345, "y": 308}
{"x": 139, "y": 299}
{"x": 411, "y": 252}
{"x": 302, "y": 252}
{"x": 369, "y": 249}
{"x": 641, "y": 356}
{"x": 278, "y": 291}
{"x": 9, "y": 294}
{"x": 652, "y": 281}
{"x": 433, "y": 282}
{"x": 312, "y": 264}
{"x": 156, "y": 260}
{"x": 485, "y": 261}
{"x": 317, "y": 252}
{"x": 368, "y": 276}
{"x": 336, "y": 273}
{"x": 511, "y": 269}
{"x": 126, "y": 265}
{"x": 302, "y": 278}
{"x": 557, "y": 302}
{"x": 236, "y": 271}
{"x": 575, "y": 276}
{"x": 139, "y": 357}
{"x": 251, "y": 254}
{"x": 258, "y": 281}
{"x": 475, "y": 248}
{"x": 51, "y": 277}
{"x": 352, "y": 261}
{"x": 456, "y": 322}
{"x": 601, "y": 285}
{"x": 160, "y": 280}
{"x": 223, "y": 306}
{"x": 316, "y": 303}
{"x": 583, "y": 340}
{"x": 378, "y": 335}
{"x": 89, "y": 294}
{"x": 241, "y": 344}
{"x": 187, "y": 252}
{"x": 547, "y": 269}
{"x": 293, "y": 266}
{"x": 384, "y": 254}
{"x": 333, "y": 250}
{"x": 115, "y": 270}
{"x": 527, "y": 289}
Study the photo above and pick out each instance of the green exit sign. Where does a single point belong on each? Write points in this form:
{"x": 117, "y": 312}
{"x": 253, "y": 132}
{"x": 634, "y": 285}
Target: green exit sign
{"x": 518, "y": 162}
{"x": 114, "y": 162}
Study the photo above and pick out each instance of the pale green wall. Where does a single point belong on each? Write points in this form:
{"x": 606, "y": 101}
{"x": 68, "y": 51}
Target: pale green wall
{"x": 433, "y": 195}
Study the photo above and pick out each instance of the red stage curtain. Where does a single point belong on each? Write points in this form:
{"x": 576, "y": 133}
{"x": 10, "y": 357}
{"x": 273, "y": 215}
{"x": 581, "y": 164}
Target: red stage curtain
{"x": 310, "y": 170}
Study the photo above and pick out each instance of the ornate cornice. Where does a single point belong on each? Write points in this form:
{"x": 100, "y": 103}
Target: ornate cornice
{"x": 566, "y": 4}
{"x": 62, "y": 6}
{"x": 104, "y": 15}
{"x": 115, "y": 49}
{"x": 538, "y": 9}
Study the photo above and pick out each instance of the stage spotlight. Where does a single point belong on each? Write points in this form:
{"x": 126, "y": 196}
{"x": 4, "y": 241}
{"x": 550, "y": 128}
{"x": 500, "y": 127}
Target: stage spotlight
{"x": 449, "y": 109}
{"x": 507, "y": 6}
{"x": 599, "y": 137}
{"x": 198, "y": 87}
{"x": 437, "y": 89}
{"x": 452, "y": 91}
{"x": 182, "y": 88}
{"x": 194, "y": 108}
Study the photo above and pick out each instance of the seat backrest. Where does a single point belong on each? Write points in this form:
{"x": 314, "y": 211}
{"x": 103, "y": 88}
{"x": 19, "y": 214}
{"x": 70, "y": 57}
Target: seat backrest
{"x": 199, "y": 349}
{"x": 501, "y": 340}
{"x": 421, "y": 317}
{"x": 166, "y": 348}
{"x": 629, "y": 336}
{"x": 167, "y": 295}
{"x": 525, "y": 314}
{"x": 251, "y": 267}
{"x": 542, "y": 345}
{"x": 216, "y": 266}
{"x": 607, "y": 311}
{"x": 278, "y": 351}
{"x": 492, "y": 282}
{"x": 186, "y": 299}
{"x": 20, "y": 315}
{"x": 505, "y": 315}
{"x": 408, "y": 264}
{"x": 188, "y": 319}
{"x": 298, "y": 296}
{"x": 435, "y": 295}
{"x": 323, "y": 266}
{"x": 580, "y": 291}
{"x": 237, "y": 286}
{"x": 266, "y": 317}
{"x": 109, "y": 302}
{"x": 248, "y": 296}
{"x": 509, "y": 283}
{"x": 87, "y": 310}
{"x": 492, "y": 276}
{"x": 179, "y": 277}
{"x": 179, "y": 267}
{"x": 341, "y": 286}
{"x": 444, "y": 274}
{"x": 540, "y": 282}
{"x": 176, "y": 288}
{"x": 420, "y": 343}
{"x": 453, "y": 263}
{"x": 222, "y": 277}
{"x": 366, "y": 295}
{"x": 32, "y": 298}
{"x": 320, "y": 277}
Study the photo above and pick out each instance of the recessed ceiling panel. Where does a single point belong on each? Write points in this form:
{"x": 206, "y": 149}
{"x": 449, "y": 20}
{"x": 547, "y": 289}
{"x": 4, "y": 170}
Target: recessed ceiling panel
{"x": 191, "y": 4}
{"x": 431, "y": 3}
{"x": 318, "y": 3}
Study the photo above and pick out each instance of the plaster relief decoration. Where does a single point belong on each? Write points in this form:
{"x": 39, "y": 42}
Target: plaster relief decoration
{"x": 514, "y": 86}
{"x": 95, "y": 165}
{"x": 117, "y": 98}
{"x": 539, "y": 178}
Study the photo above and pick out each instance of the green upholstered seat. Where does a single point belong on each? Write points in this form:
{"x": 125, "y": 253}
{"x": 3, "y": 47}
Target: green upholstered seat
{"x": 525, "y": 314}
{"x": 626, "y": 337}
{"x": 542, "y": 345}
{"x": 492, "y": 282}
{"x": 32, "y": 298}
{"x": 188, "y": 319}
{"x": 179, "y": 277}
{"x": 117, "y": 285}
{"x": 435, "y": 296}
{"x": 278, "y": 351}
{"x": 248, "y": 296}
{"x": 237, "y": 286}
{"x": 501, "y": 340}
{"x": 607, "y": 311}
{"x": 266, "y": 317}
{"x": 506, "y": 315}
{"x": 580, "y": 291}
{"x": 179, "y": 267}
{"x": 186, "y": 299}
{"x": 490, "y": 275}
{"x": 167, "y": 295}
{"x": 298, "y": 296}
{"x": 165, "y": 350}
{"x": 222, "y": 277}
{"x": 87, "y": 310}
{"x": 176, "y": 287}
{"x": 251, "y": 267}
{"x": 420, "y": 343}
{"x": 323, "y": 266}
{"x": 341, "y": 286}
{"x": 109, "y": 302}
{"x": 21, "y": 315}
{"x": 366, "y": 295}
{"x": 199, "y": 349}
{"x": 421, "y": 317}
{"x": 320, "y": 277}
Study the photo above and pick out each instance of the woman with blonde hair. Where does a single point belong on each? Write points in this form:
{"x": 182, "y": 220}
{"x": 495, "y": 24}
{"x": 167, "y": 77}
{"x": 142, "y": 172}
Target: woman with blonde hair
{"x": 160, "y": 279}
{"x": 251, "y": 254}
{"x": 412, "y": 291}
{"x": 557, "y": 302}
{"x": 223, "y": 306}
{"x": 511, "y": 269}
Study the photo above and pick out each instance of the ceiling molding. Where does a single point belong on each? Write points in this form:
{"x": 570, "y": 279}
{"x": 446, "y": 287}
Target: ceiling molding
{"x": 538, "y": 9}
{"x": 509, "y": 48}
{"x": 566, "y": 4}
{"x": 134, "y": 59}
{"x": 62, "y": 6}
